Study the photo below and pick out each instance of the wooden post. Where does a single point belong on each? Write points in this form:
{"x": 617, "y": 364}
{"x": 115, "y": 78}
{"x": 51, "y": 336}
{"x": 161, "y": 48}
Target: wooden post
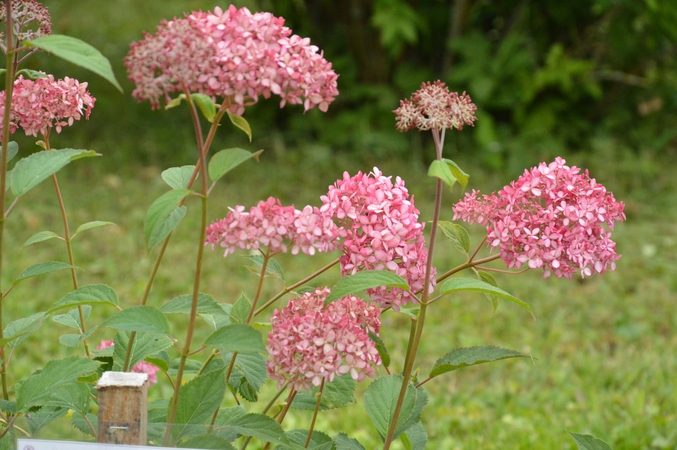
{"x": 123, "y": 408}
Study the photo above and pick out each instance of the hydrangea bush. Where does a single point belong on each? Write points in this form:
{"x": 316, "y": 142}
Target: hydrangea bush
{"x": 324, "y": 339}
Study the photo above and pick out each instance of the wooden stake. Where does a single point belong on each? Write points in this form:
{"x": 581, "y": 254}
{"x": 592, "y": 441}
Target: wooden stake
{"x": 123, "y": 408}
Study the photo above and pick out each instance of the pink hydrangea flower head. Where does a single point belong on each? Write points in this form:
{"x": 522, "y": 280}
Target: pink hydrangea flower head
{"x": 275, "y": 227}
{"x": 235, "y": 55}
{"x": 140, "y": 367}
{"x": 309, "y": 343}
{"x": 434, "y": 107}
{"x": 45, "y": 103}
{"x": 30, "y": 19}
{"x": 552, "y": 217}
{"x": 379, "y": 226}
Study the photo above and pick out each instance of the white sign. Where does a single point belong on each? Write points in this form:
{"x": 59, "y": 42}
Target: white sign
{"x": 42, "y": 444}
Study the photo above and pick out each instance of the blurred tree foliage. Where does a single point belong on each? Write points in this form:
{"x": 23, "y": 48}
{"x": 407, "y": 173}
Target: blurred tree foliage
{"x": 548, "y": 77}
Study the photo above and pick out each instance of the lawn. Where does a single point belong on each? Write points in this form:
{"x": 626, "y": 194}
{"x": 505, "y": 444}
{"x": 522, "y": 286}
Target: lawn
{"x": 603, "y": 348}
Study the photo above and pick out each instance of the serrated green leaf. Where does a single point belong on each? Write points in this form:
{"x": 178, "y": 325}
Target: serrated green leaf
{"x": 240, "y": 310}
{"x": 241, "y": 123}
{"x": 163, "y": 216}
{"x": 336, "y": 394}
{"x": 18, "y": 331}
{"x": 343, "y": 442}
{"x": 207, "y": 441}
{"x": 381, "y": 349}
{"x": 261, "y": 427}
{"x": 77, "y": 52}
{"x": 13, "y": 150}
{"x": 144, "y": 345}
{"x": 198, "y": 399}
{"x": 472, "y": 285}
{"x": 361, "y": 281}
{"x": 41, "y": 236}
{"x": 273, "y": 268}
{"x": 39, "y": 419}
{"x": 237, "y": 337}
{"x": 71, "y": 340}
{"x": 587, "y": 442}
{"x": 380, "y": 399}
{"x": 206, "y": 105}
{"x": 75, "y": 396}
{"x": 252, "y": 366}
{"x": 37, "y": 388}
{"x": 72, "y": 317}
{"x": 457, "y": 234}
{"x": 489, "y": 278}
{"x": 415, "y": 438}
{"x": 33, "y": 169}
{"x": 141, "y": 319}
{"x": 42, "y": 268}
{"x": 183, "y": 303}
{"x": 471, "y": 356}
{"x": 178, "y": 177}
{"x": 93, "y": 224}
{"x": 8, "y": 407}
{"x": 226, "y": 160}
{"x": 86, "y": 425}
{"x": 318, "y": 440}
{"x": 91, "y": 294}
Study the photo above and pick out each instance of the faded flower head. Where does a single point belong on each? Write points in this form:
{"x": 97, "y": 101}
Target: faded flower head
{"x": 551, "y": 217}
{"x": 276, "y": 227}
{"x": 233, "y": 54}
{"x": 434, "y": 107}
{"x": 45, "y": 103}
{"x": 30, "y": 21}
{"x": 379, "y": 226}
{"x": 309, "y": 343}
{"x": 140, "y": 367}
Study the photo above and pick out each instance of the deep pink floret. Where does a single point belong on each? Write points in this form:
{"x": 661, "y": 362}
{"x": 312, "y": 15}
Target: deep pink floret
{"x": 552, "y": 217}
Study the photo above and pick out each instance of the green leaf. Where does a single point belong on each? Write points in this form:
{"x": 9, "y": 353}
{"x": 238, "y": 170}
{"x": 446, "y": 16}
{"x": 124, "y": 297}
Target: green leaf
{"x": 173, "y": 103}
{"x": 252, "y": 367}
{"x": 145, "y": 345}
{"x": 415, "y": 438}
{"x": 183, "y": 303}
{"x": 207, "y": 441}
{"x": 343, "y": 442}
{"x": 37, "y": 388}
{"x": 42, "y": 268}
{"x": 8, "y": 407}
{"x": 32, "y": 74}
{"x": 77, "y": 52}
{"x": 178, "y": 177}
{"x": 458, "y": 235}
{"x": 587, "y": 442}
{"x": 71, "y": 340}
{"x": 33, "y": 169}
{"x": 241, "y": 123}
{"x": 226, "y": 160}
{"x": 72, "y": 317}
{"x": 489, "y": 278}
{"x": 318, "y": 440}
{"x": 470, "y": 284}
{"x": 94, "y": 224}
{"x": 41, "y": 236}
{"x": 449, "y": 172}
{"x": 237, "y": 337}
{"x": 457, "y": 172}
{"x": 367, "y": 279}
{"x": 261, "y": 427}
{"x": 13, "y": 150}
{"x": 163, "y": 216}
{"x": 206, "y": 105}
{"x": 91, "y": 294}
{"x": 273, "y": 268}
{"x": 75, "y": 396}
{"x": 218, "y": 321}
{"x": 39, "y": 419}
{"x": 381, "y": 349}
{"x": 380, "y": 399}
{"x": 471, "y": 356}
{"x": 83, "y": 425}
{"x": 18, "y": 331}
{"x": 240, "y": 310}
{"x": 198, "y": 399}
{"x": 139, "y": 318}
{"x": 336, "y": 394}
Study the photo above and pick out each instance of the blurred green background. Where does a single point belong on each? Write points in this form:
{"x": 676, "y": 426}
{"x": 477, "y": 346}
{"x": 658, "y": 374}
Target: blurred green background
{"x": 592, "y": 81}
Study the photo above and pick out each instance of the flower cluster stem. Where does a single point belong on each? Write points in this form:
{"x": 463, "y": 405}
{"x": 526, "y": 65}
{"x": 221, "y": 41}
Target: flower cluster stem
{"x": 317, "y": 410}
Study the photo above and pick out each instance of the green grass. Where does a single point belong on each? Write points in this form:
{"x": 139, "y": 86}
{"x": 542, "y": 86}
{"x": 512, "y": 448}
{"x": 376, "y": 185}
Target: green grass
{"x": 603, "y": 348}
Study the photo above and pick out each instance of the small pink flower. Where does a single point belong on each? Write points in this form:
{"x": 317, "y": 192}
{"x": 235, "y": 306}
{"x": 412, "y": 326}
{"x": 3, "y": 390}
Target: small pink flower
{"x": 45, "y": 103}
{"x": 309, "y": 343}
{"x": 140, "y": 367}
{"x": 551, "y": 217}
{"x": 379, "y": 226}
{"x": 26, "y": 15}
{"x": 434, "y": 107}
{"x": 275, "y": 227}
